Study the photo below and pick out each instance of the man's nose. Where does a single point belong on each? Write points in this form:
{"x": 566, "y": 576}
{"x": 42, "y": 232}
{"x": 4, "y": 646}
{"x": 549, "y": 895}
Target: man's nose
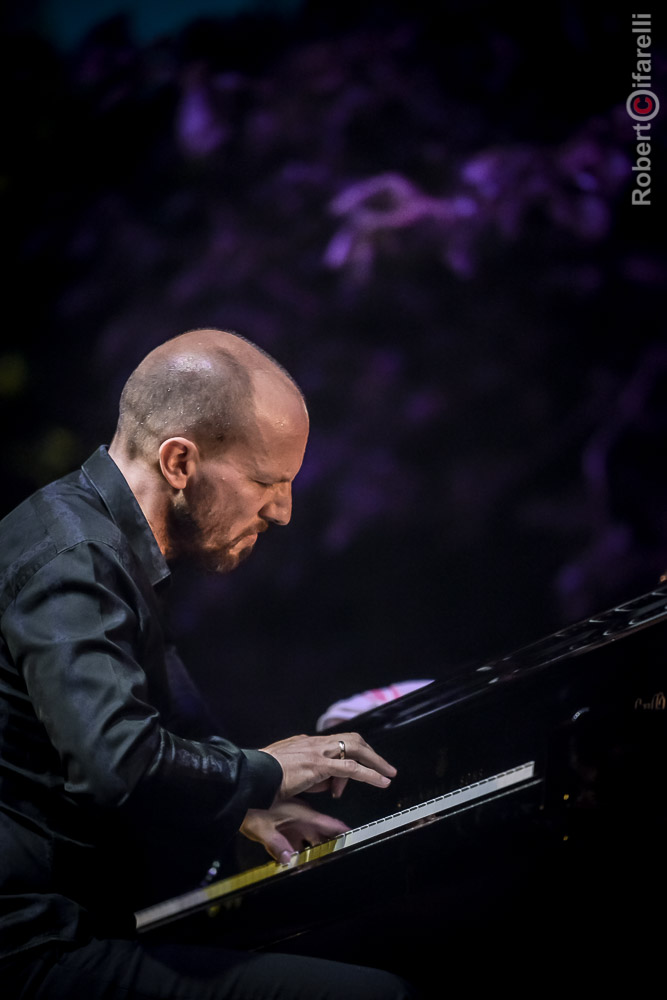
{"x": 278, "y": 509}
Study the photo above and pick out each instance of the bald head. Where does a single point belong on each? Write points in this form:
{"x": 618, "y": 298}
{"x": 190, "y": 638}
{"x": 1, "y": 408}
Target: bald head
{"x": 205, "y": 385}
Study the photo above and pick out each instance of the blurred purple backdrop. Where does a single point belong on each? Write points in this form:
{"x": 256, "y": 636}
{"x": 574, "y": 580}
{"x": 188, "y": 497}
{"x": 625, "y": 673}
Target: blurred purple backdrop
{"x": 426, "y": 218}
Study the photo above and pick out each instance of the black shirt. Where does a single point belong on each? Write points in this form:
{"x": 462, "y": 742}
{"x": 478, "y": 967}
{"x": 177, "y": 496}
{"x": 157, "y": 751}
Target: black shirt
{"x": 102, "y": 775}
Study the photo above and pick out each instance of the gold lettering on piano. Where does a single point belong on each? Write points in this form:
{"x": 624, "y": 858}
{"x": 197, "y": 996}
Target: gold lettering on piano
{"x": 658, "y": 702}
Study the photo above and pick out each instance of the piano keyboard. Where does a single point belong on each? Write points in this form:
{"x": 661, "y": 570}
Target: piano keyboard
{"x": 179, "y": 906}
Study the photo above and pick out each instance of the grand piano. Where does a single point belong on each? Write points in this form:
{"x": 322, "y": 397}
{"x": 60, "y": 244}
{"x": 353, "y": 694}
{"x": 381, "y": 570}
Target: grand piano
{"x": 526, "y": 825}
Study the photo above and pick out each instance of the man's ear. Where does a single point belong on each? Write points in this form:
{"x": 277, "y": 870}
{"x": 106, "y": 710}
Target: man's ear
{"x": 179, "y": 459}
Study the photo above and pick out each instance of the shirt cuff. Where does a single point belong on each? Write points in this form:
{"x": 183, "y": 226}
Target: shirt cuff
{"x": 266, "y": 775}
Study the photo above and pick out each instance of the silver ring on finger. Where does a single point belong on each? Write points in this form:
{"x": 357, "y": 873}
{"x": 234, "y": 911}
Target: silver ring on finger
{"x": 341, "y": 750}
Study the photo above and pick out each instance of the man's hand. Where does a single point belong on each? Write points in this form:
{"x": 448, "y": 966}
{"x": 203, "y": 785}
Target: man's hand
{"x": 313, "y": 763}
{"x": 289, "y": 826}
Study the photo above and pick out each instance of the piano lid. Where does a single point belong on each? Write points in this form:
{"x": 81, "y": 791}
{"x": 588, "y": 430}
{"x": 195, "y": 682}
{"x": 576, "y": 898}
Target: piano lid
{"x": 474, "y": 677}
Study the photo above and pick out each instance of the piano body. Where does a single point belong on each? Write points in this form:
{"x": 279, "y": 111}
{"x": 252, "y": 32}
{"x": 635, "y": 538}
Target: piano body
{"x": 527, "y": 819}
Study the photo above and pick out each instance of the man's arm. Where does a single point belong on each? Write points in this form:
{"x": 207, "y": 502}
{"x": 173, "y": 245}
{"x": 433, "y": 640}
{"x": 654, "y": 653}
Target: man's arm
{"x": 83, "y": 635}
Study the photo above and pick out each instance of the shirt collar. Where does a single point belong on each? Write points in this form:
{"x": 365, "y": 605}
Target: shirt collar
{"x": 126, "y": 513}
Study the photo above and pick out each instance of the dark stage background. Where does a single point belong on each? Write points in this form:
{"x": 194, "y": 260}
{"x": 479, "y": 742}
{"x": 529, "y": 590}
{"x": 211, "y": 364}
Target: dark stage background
{"x": 424, "y": 213}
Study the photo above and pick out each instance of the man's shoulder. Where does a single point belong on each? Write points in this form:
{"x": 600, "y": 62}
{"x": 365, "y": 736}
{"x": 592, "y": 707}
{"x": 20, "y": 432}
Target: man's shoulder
{"x": 56, "y": 518}
{"x": 68, "y": 510}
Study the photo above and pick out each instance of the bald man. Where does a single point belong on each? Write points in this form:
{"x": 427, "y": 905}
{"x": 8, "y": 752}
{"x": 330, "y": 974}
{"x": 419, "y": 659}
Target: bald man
{"x": 105, "y": 777}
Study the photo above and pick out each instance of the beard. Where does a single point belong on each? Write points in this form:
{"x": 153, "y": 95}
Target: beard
{"x": 188, "y": 538}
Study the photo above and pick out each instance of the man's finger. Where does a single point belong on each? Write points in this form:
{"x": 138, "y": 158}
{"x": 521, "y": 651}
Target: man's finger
{"x": 338, "y": 787}
{"x": 279, "y": 847}
{"x": 322, "y": 827}
{"x": 351, "y": 746}
{"x": 353, "y": 770}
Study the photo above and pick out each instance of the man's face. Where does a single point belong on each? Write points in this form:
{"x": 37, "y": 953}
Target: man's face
{"x": 237, "y": 494}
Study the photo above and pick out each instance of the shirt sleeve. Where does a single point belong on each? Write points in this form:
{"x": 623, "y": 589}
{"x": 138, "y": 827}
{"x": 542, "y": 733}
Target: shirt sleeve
{"x": 83, "y": 633}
